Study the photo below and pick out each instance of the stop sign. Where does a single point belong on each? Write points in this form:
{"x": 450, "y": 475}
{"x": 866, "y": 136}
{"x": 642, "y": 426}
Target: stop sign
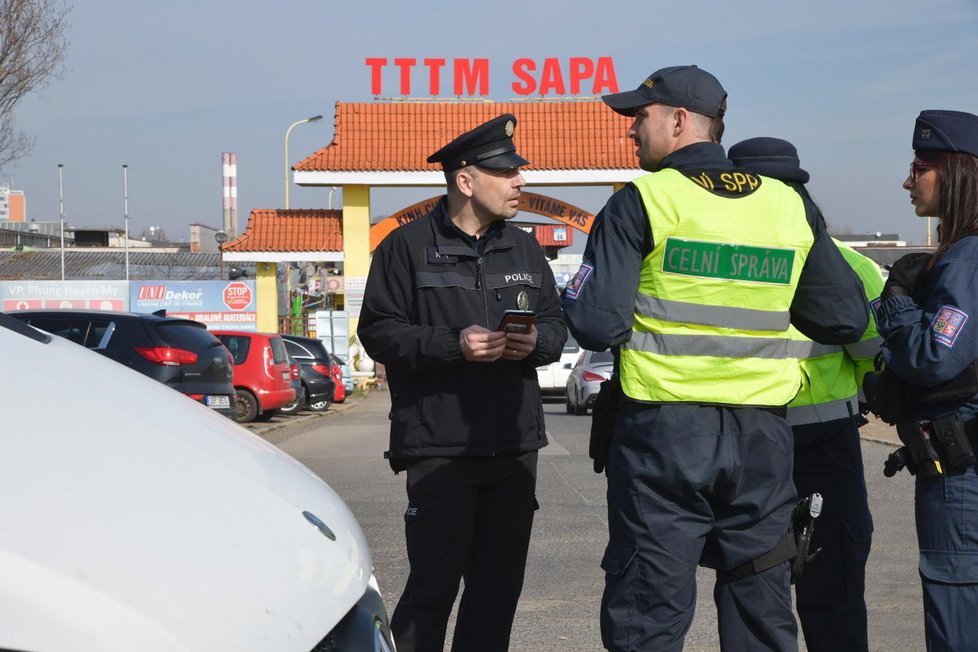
{"x": 237, "y": 296}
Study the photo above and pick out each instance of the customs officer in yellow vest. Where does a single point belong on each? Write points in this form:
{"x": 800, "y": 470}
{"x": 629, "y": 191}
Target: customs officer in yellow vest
{"x": 825, "y": 419}
{"x": 696, "y": 271}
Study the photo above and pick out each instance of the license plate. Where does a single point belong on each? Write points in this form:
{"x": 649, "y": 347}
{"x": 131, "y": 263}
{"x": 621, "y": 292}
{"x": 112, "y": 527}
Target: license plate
{"x": 217, "y": 401}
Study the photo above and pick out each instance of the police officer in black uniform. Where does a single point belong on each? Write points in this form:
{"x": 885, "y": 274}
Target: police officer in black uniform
{"x": 466, "y": 415}
{"x": 701, "y": 481}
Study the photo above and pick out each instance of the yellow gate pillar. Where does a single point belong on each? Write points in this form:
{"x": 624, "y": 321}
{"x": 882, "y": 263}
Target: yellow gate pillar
{"x": 266, "y": 287}
{"x": 356, "y": 247}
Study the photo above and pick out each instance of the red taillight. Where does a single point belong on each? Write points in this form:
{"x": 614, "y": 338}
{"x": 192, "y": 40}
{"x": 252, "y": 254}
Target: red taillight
{"x": 294, "y": 369}
{"x": 166, "y": 355}
{"x": 269, "y": 361}
{"x": 196, "y": 397}
{"x": 337, "y": 374}
{"x": 321, "y": 368}
{"x": 590, "y": 375}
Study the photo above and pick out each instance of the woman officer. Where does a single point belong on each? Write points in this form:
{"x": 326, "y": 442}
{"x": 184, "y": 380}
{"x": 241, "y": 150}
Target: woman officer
{"x": 928, "y": 317}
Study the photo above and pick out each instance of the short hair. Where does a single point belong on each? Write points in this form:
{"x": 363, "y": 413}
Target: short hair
{"x": 716, "y": 124}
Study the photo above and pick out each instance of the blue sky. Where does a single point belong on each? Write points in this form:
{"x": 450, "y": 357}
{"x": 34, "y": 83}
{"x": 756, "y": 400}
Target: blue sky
{"x": 167, "y": 87}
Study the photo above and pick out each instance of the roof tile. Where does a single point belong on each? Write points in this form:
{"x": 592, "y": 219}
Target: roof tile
{"x": 291, "y": 230}
{"x": 399, "y": 136}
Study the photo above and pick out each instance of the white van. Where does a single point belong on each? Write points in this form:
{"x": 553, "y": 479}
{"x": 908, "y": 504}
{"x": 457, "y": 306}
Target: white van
{"x": 553, "y": 377}
{"x": 135, "y": 518}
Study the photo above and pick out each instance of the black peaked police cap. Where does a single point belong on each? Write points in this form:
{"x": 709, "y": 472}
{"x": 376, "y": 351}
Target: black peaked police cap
{"x": 490, "y": 145}
{"x": 772, "y": 157}
{"x": 946, "y": 131}
{"x": 680, "y": 86}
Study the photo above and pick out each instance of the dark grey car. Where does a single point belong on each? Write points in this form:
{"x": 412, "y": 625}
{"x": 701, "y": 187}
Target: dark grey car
{"x": 180, "y": 353}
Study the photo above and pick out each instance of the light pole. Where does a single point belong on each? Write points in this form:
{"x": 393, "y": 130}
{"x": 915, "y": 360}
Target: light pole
{"x": 61, "y": 203}
{"x": 315, "y": 118}
{"x": 125, "y": 211}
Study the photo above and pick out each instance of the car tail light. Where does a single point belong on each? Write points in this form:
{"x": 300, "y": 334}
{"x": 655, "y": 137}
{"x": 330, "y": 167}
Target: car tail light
{"x": 294, "y": 370}
{"x": 196, "y": 397}
{"x": 269, "y": 361}
{"x": 590, "y": 376}
{"x": 166, "y": 355}
{"x": 323, "y": 369}
{"x": 337, "y": 374}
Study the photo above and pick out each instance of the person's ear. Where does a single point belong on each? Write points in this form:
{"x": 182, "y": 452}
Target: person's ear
{"x": 680, "y": 117}
{"x": 463, "y": 182}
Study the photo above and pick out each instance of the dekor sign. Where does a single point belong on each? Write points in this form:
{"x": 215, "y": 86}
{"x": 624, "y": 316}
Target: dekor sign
{"x": 471, "y": 76}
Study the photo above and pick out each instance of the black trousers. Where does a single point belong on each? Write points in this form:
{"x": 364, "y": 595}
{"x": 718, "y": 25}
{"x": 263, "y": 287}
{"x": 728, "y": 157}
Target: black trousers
{"x": 467, "y": 518}
{"x": 831, "y": 606}
{"x": 692, "y": 485}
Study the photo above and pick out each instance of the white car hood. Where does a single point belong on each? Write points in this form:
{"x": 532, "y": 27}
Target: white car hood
{"x": 134, "y": 518}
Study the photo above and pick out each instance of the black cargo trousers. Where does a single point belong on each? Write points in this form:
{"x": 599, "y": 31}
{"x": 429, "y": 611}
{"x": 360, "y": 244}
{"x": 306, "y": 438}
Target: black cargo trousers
{"x": 467, "y": 518}
{"x": 693, "y": 485}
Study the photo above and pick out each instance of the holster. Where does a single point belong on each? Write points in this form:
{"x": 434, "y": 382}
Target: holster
{"x": 939, "y": 446}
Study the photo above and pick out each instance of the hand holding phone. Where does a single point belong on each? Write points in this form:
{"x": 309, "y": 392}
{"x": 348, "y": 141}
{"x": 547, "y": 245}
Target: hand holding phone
{"x": 516, "y": 321}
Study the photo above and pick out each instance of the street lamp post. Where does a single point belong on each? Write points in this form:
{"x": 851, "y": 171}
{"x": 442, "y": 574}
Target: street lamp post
{"x": 315, "y": 118}
{"x": 61, "y": 204}
{"x": 125, "y": 211}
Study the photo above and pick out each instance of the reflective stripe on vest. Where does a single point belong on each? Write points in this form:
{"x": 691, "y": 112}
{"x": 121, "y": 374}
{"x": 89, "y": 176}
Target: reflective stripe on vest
{"x": 842, "y": 408}
{"x": 865, "y": 349}
{"x": 695, "y": 313}
{"x": 711, "y": 313}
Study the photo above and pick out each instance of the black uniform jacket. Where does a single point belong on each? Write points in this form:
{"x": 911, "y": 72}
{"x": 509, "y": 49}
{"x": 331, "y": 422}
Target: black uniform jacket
{"x": 829, "y": 304}
{"x": 428, "y": 281}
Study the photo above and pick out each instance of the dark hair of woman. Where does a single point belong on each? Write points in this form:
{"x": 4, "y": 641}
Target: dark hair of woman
{"x": 957, "y": 208}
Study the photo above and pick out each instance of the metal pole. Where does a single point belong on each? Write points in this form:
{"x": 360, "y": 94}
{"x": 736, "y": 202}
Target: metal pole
{"x": 61, "y": 202}
{"x": 125, "y": 211}
{"x": 315, "y": 118}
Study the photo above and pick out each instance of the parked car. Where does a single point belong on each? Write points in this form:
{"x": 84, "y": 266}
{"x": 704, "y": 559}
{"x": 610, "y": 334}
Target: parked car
{"x": 345, "y": 372}
{"x": 262, "y": 380}
{"x": 300, "y": 393}
{"x": 591, "y": 369}
{"x": 315, "y": 368}
{"x": 339, "y": 394}
{"x": 180, "y": 353}
{"x": 553, "y": 377}
{"x": 134, "y": 519}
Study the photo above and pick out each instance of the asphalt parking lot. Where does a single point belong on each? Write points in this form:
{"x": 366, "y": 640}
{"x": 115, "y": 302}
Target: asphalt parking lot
{"x": 559, "y": 607}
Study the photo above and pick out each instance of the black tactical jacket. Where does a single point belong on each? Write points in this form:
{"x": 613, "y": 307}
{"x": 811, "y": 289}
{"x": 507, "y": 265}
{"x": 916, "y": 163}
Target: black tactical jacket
{"x": 428, "y": 281}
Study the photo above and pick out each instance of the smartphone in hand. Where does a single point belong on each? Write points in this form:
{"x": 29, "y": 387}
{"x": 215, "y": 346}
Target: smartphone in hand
{"x": 516, "y": 321}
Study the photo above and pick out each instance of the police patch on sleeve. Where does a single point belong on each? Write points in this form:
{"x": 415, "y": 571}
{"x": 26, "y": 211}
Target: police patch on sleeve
{"x": 576, "y": 284}
{"x": 947, "y": 325}
{"x": 874, "y": 309}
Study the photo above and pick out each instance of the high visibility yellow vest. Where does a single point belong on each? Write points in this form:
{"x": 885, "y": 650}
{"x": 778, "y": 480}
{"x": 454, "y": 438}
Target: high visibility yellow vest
{"x": 832, "y": 374}
{"x": 711, "y": 315}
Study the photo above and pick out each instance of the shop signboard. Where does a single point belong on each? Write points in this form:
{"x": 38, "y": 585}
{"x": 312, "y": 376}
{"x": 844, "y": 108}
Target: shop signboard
{"x": 64, "y": 295}
{"x": 226, "y": 305}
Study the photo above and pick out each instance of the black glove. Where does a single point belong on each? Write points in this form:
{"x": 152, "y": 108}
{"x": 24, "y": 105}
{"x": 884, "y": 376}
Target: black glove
{"x": 603, "y": 418}
{"x": 885, "y": 395}
{"x": 904, "y": 275}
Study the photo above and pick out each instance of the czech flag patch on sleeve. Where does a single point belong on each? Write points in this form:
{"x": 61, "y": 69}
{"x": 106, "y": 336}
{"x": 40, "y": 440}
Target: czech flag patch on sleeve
{"x": 947, "y": 325}
{"x": 576, "y": 284}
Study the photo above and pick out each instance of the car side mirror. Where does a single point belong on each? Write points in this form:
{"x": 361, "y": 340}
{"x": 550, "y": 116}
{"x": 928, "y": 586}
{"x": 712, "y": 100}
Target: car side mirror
{"x": 568, "y": 365}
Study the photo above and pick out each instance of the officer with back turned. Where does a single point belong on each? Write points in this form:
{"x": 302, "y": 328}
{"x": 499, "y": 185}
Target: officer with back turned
{"x": 696, "y": 270}
{"x": 825, "y": 418}
{"x": 466, "y": 414}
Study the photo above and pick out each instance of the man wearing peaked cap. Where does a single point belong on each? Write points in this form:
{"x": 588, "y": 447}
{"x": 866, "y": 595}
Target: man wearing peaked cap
{"x": 825, "y": 419}
{"x": 694, "y": 272}
{"x": 465, "y": 403}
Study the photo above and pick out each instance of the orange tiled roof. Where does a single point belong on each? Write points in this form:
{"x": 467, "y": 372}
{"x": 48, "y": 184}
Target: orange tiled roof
{"x": 291, "y": 230}
{"x": 399, "y": 136}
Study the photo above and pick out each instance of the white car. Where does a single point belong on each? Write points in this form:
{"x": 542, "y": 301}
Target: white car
{"x": 553, "y": 377}
{"x": 134, "y": 518}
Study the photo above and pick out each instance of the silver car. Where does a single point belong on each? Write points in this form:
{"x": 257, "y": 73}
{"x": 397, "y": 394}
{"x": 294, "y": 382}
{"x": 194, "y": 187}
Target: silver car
{"x": 591, "y": 369}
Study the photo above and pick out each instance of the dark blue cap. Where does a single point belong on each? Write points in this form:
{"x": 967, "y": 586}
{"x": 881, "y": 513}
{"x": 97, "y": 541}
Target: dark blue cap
{"x": 946, "y": 131}
{"x": 490, "y": 145}
{"x": 771, "y": 157}
{"x": 682, "y": 86}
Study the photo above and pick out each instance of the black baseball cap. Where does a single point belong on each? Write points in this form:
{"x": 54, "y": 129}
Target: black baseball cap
{"x": 946, "y": 131}
{"x": 490, "y": 145}
{"x": 682, "y": 86}
{"x": 772, "y": 157}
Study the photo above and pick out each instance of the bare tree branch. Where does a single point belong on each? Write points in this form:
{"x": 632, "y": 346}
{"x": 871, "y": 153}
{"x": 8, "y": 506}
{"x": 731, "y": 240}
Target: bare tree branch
{"x": 33, "y": 47}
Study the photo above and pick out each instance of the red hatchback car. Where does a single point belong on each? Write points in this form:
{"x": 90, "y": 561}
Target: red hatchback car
{"x": 262, "y": 378}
